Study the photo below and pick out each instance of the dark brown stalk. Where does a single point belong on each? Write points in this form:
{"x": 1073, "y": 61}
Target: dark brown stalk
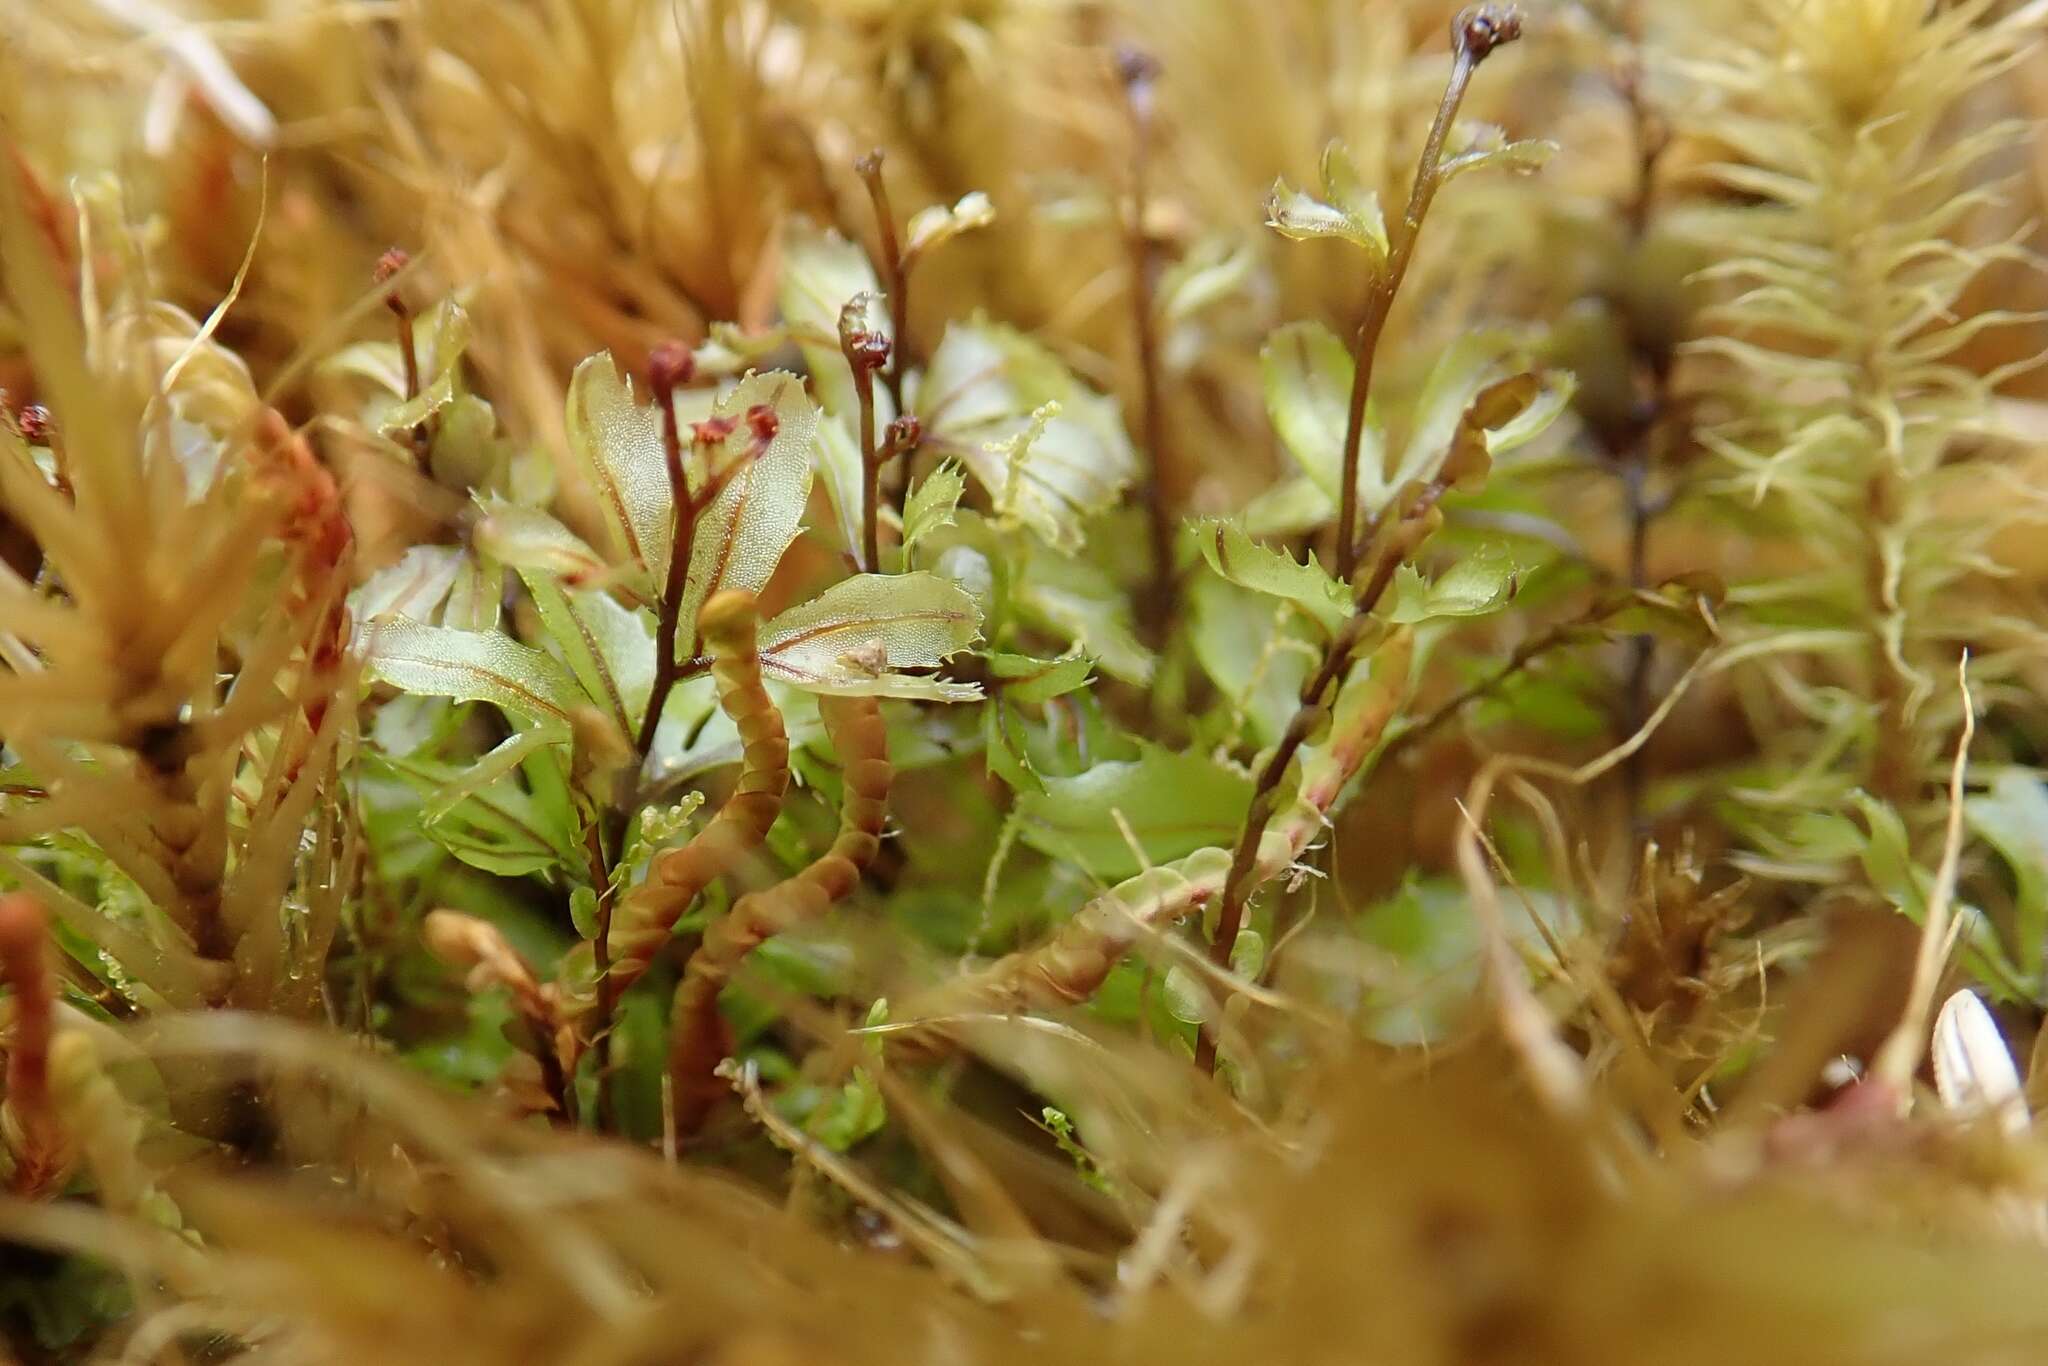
{"x": 895, "y": 277}
{"x": 1638, "y": 454}
{"x": 389, "y": 265}
{"x": 866, "y": 352}
{"x": 1138, "y": 72}
{"x": 1475, "y": 33}
{"x": 670, "y": 365}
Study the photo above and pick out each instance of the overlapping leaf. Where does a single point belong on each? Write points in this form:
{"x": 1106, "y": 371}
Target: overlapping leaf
{"x": 858, "y": 637}
{"x": 472, "y": 666}
{"x": 741, "y": 536}
{"x": 1050, "y": 451}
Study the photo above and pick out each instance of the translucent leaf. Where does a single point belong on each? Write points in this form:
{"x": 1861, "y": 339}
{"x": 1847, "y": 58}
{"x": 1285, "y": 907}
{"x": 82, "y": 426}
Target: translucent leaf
{"x": 1248, "y": 954}
{"x": 1243, "y": 641}
{"x": 1479, "y": 146}
{"x": 619, "y": 444}
{"x": 1307, "y": 373}
{"x": 415, "y": 587}
{"x": 931, "y": 504}
{"x": 1026, "y": 679}
{"x": 440, "y": 337}
{"x": 821, "y": 271}
{"x": 1187, "y": 999}
{"x": 1215, "y": 270}
{"x": 1078, "y": 601}
{"x": 741, "y": 536}
{"x": 1243, "y": 561}
{"x": 608, "y": 647}
{"x": 475, "y": 599}
{"x": 526, "y": 538}
{"x": 1347, "y": 209}
{"x": 988, "y": 386}
{"x": 1171, "y": 802}
{"x": 485, "y": 818}
{"x": 929, "y": 227}
{"x": 1482, "y": 581}
{"x": 839, "y": 462}
{"x": 860, "y": 634}
{"x": 471, "y": 666}
{"x": 1288, "y": 508}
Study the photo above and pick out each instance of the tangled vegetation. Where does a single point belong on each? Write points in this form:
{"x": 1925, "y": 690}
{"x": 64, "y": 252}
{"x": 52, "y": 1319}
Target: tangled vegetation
{"x": 748, "y": 681}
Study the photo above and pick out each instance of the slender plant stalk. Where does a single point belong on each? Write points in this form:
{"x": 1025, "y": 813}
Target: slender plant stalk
{"x": 669, "y": 366}
{"x": 1407, "y": 530}
{"x": 1475, "y": 33}
{"x": 1139, "y": 72}
{"x": 389, "y": 265}
{"x": 866, "y": 351}
{"x": 895, "y": 274}
{"x": 1637, "y": 458}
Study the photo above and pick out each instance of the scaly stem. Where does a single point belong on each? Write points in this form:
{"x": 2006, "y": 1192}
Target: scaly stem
{"x": 1475, "y": 33}
{"x": 1138, "y": 71}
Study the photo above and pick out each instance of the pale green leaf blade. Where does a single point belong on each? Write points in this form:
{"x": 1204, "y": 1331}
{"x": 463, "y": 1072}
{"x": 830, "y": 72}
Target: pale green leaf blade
{"x": 1028, "y": 679}
{"x": 985, "y": 401}
{"x": 618, "y": 442}
{"x": 524, "y": 538}
{"x": 608, "y": 647}
{"x": 741, "y": 536}
{"x": 414, "y": 587}
{"x": 1243, "y": 561}
{"x": 821, "y": 271}
{"x": 839, "y": 465}
{"x": 933, "y": 225}
{"x": 1172, "y": 803}
{"x": 931, "y": 505}
{"x": 859, "y": 635}
{"x": 1481, "y": 582}
{"x": 1307, "y": 373}
{"x": 471, "y": 666}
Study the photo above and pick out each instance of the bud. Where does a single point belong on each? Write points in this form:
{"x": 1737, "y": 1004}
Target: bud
{"x": 903, "y": 435}
{"x": 1482, "y": 28}
{"x": 669, "y": 365}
